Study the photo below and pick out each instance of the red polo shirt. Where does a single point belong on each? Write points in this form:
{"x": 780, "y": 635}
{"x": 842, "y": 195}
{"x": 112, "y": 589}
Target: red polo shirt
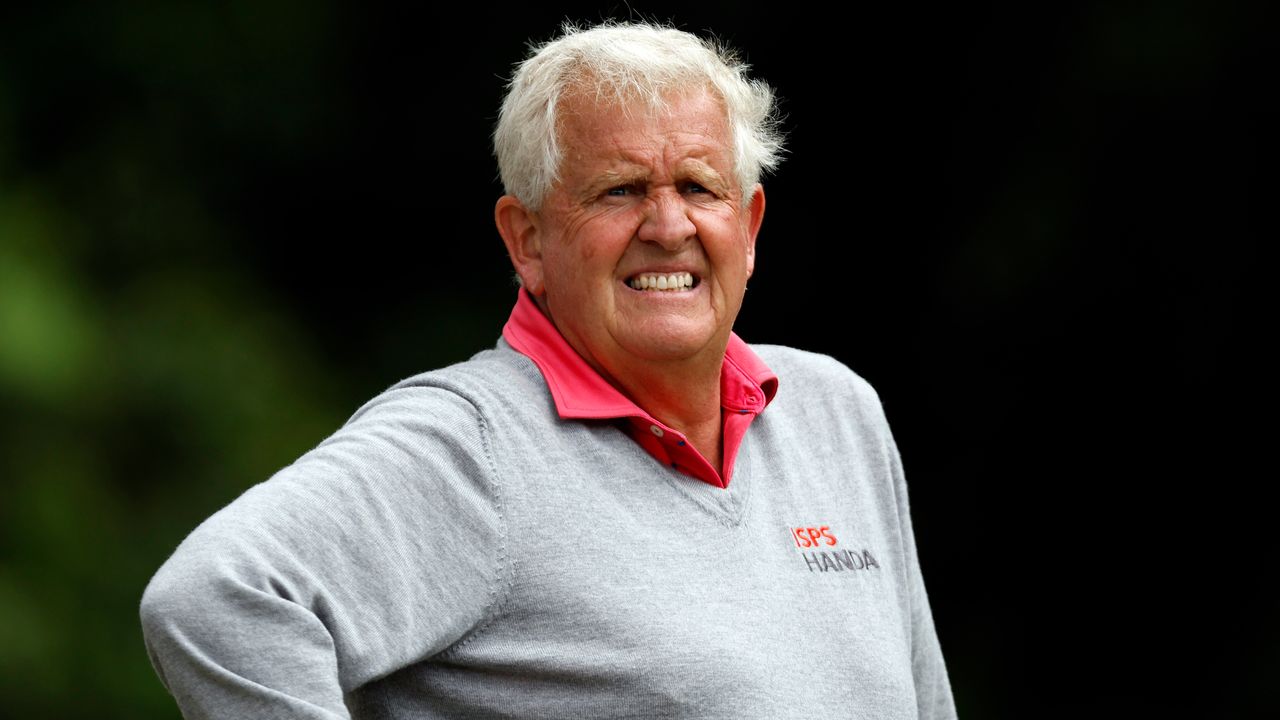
{"x": 747, "y": 385}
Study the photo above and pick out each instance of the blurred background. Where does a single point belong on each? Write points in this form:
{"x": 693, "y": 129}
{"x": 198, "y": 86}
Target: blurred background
{"x": 223, "y": 226}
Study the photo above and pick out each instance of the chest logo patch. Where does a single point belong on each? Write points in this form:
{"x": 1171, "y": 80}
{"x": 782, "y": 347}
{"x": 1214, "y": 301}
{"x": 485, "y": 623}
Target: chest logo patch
{"x": 822, "y": 551}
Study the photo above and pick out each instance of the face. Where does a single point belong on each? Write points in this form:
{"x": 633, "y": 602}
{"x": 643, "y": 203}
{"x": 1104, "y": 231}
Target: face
{"x": 641, "y": 252}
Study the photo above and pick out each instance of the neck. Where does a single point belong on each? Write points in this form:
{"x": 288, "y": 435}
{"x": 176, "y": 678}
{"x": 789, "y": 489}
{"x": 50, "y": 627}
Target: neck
{"x": 684, "y": 396}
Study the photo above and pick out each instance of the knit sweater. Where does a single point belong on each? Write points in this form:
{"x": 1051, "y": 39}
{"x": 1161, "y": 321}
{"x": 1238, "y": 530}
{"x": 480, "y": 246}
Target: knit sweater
{"x": 456, "y": 550}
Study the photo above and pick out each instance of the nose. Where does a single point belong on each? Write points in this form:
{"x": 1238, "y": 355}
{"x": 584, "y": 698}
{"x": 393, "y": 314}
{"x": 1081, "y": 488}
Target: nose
{"x": 666, "y": 221}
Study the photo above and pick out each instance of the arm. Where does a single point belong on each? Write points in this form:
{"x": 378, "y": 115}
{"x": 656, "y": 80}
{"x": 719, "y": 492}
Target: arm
{"x": 933, "y": 687}
{"x": 378, "y": 549}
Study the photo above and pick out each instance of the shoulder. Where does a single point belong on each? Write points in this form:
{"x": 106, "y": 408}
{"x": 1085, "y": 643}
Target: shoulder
{"x": 818, "y": 388}
{"x": 417, "y": 454}
{"x": 441, "y": 398}
{"x": 420, "y": 434}
{"x": 812, "y": 372}
{"x": 446, "y": 424}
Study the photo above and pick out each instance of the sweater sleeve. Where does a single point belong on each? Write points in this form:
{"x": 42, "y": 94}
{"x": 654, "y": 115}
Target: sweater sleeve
{"x": 933, "y": 687}
{"x": 379, "y": 548}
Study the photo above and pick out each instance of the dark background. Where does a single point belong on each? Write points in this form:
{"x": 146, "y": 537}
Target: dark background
{"x": 223, "y": 226}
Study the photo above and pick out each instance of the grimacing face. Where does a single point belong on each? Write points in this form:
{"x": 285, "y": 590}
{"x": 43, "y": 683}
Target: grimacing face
{"x": 641, "y": 251}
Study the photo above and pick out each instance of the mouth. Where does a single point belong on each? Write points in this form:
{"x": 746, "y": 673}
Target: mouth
{"x": 663, "y": 282}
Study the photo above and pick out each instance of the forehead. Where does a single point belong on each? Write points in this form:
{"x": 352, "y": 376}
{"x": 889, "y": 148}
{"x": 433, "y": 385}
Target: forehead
{"x": 690, "y": 124}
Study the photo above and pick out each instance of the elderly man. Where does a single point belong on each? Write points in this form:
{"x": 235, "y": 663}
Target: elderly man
{"x": 622, "y": 510}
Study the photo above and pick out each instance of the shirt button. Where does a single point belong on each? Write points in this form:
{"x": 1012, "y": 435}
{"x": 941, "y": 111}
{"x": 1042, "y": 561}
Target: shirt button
{"x": 656, "y": 430}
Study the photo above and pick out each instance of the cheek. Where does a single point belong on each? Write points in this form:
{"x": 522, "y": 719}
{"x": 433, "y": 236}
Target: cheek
{"x": 561, "y": 269}
{"x": 596, "y": 243}
{"x": 591, "y": 253}
{"x": 573, "y": 268}
{"x": 726, "y": 244}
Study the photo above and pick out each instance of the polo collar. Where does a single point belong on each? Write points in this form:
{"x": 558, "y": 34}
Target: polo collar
{"x": 747, "y": 385}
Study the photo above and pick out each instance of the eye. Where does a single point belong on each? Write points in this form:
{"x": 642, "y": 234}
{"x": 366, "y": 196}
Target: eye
{"x": 624, "y": 190}
{"x": 693, "y": 187}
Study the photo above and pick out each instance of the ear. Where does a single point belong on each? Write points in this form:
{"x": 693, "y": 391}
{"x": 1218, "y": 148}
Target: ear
{"x": 754, "y": 217}
{"x": 518, "y": 227}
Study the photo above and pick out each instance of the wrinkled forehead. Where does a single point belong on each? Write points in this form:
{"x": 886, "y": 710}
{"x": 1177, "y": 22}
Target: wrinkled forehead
{"x": 689, "y": 126}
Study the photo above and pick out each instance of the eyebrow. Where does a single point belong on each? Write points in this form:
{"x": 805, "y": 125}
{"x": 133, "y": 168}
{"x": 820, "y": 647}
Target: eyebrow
{"x": 613, "y": 178}
{"x": 704, "y": 175}
{"x": 689, "y": 169}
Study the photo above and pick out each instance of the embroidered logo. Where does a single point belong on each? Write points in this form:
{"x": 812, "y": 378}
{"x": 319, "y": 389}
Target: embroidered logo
{"x": 819, "y": 548}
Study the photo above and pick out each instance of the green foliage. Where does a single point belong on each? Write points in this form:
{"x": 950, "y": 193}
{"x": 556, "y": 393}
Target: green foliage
{"x": 131, "y": 414}
{"x": 146, "y": 377}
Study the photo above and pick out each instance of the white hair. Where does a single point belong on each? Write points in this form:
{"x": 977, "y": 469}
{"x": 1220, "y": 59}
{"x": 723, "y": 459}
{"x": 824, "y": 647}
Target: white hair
{"x": 622, "y": 63}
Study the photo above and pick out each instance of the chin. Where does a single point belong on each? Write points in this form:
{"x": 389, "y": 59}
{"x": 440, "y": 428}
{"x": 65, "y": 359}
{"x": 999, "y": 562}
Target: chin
{"x": 667, "y": 342}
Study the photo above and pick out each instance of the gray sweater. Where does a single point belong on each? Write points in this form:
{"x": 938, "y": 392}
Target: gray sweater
{"x": 456, "y": 550}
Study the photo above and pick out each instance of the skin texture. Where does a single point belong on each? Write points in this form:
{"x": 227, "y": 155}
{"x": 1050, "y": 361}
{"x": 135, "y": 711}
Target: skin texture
{"x": 643, "y": 192}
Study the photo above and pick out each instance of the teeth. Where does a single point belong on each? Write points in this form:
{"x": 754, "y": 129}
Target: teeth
{"x": 651, "y": 281}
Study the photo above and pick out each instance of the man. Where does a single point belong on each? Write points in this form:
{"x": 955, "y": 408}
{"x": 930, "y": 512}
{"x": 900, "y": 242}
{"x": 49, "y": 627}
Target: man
{"x": 622, "y": 510}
